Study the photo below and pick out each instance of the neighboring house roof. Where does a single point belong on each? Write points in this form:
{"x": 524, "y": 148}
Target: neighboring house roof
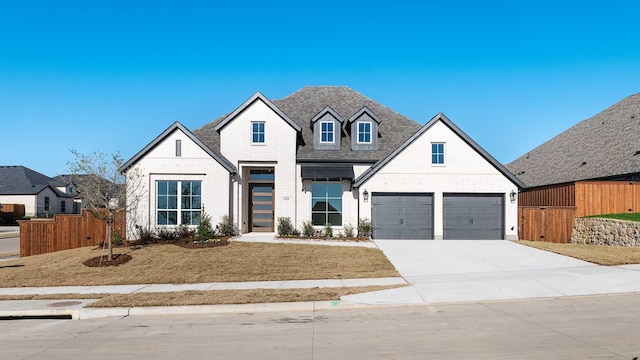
{"x": 19, "y": 180}
{"x": 439, "y": 117}
{"x": 303, "y": 105}
{"x": 604, "y": 146}
{"x": 177, "y": 126}
{"x": 79, "y": 181}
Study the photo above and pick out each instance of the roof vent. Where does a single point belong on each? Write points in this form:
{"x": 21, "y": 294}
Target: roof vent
{"x": 583, "y": 163}
{"x": 520, "y": 173}
{"x": 636, "y": 153}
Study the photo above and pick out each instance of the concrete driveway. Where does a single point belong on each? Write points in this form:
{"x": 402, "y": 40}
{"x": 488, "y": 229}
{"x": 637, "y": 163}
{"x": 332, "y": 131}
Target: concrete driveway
{"x": 467, "y": 270}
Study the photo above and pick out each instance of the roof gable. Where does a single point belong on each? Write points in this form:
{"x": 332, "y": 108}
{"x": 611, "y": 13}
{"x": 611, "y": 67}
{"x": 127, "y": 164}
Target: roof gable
{"x": 362, "y": 112}
{"x": 604, "y": 146}
{"x": 174, "y": 127}
{"x": 323, "y": 112}
{"x": 440, "y": 117}
{"x": 257, "y": 97}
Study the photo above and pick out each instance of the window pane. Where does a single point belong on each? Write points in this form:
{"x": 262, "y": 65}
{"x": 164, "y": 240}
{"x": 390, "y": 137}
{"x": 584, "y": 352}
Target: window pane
{"x": 335, "y": 205}
{"x": 162, "y": 202}
{"x": 334, "y": 190}
{"x": 196, "y": 203}
{"x": 186, "y": 188}
{"x": 172, "y": 202}
{"x": 186, "y": 202}
{"x": 172, "y": 188}
{"x": 335, "y": 219}
{"x": 318, "y": 219}
{"x": 172, "y": 217}
{"x": 196, "y": 188}
{"x": 319, "y": 205}
{"x": 162, "y": 218}
{"x": 162, "y": 187}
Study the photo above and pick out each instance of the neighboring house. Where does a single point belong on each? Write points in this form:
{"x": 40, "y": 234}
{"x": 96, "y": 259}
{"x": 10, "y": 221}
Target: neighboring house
{"x": 78, "y": 184}
{"x": 40, "y": 194}
{"x": 593, "y": 166}
{"x": 326, "y": 155}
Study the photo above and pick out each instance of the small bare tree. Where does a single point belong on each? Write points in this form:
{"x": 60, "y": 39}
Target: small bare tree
{"x": 104, "y": 190}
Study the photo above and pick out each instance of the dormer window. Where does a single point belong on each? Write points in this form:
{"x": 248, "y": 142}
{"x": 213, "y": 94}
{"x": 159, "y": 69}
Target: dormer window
{"x": 364, "y": 132}
{"x": 364, "y": 127}
{"x": 327, "y": 129}
{"x": 326, "y": 132}
{"x": 257, "y": 132}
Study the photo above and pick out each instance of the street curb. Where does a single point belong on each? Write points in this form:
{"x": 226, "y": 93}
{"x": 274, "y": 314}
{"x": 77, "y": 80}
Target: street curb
{"x": 5, "y": 235}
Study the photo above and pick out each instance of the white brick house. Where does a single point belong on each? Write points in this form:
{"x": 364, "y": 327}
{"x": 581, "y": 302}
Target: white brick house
{"x": 327, "y": 155}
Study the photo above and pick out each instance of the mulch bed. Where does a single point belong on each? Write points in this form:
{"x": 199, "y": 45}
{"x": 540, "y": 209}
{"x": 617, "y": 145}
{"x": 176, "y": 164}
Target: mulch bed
{"x": 100, "y": 261}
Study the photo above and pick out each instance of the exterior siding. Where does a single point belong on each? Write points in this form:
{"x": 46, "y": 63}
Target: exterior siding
{"x": 278, "y": 152}
{"x": 465, "y": 171}
{"x": 161, "y": 163}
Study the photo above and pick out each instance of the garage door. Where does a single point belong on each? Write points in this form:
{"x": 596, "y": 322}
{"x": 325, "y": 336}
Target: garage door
{"x": 473, "y": 216}
{"x": 402, "y": 216}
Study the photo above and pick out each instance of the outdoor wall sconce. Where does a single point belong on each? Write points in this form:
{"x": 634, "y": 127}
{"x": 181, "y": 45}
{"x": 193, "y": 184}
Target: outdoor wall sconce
{"x": 512, "y": 197}
{"x": 365, "y": 195}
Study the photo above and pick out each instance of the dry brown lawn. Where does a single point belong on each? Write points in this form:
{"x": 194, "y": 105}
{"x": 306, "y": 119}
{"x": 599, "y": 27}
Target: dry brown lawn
{"x": 211, "y": 297}
{"x": 171, "y": 264}
{"x": 602, "y": 255}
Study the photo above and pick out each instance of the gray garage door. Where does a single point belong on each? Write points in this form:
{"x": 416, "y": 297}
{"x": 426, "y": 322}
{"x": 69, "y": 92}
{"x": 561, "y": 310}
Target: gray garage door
{"x": 402, "y": 216}
{"x": 473, "y": 216}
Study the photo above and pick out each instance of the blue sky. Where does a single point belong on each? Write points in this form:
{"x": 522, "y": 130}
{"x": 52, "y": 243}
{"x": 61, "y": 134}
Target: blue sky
{"x": 112, "y": 75}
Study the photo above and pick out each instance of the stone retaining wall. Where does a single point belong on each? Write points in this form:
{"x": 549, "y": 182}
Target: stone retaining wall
{"x": 596, "y": 231}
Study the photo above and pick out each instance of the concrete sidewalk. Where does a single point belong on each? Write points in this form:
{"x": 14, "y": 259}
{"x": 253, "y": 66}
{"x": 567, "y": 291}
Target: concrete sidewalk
{"x": 76, "y": 309}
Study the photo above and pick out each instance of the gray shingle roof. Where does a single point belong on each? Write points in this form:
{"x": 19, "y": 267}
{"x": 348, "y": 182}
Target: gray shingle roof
{"x": 304, "y": 104}
{"x": 19, "y": 180}
{"x": 603, "y": 146}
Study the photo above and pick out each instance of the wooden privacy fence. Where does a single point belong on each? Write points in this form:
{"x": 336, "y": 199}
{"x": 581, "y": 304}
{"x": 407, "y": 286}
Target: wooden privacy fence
{"x": 548, "y": 223}
{"x": 65, "y": 232}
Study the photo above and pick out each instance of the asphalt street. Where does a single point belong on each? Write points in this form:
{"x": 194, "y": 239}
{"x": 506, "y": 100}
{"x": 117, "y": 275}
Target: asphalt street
{"x": 10, "y": 245}
{"x": 602, "y": 327}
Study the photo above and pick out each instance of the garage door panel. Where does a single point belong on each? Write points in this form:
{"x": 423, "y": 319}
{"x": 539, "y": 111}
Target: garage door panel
{"x": 473, "y": 216}
{"x": 402, "y": 216}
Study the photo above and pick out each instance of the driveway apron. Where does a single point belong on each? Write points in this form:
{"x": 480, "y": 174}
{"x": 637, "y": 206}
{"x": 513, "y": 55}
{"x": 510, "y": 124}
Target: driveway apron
{"x": 444, "y": 271}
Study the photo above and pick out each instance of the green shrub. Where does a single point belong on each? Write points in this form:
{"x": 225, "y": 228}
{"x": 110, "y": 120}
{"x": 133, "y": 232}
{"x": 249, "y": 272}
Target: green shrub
{"x": 349, "y": 231}
{"x": 226, "y": 227}
{"x": 364, "y": 227}
{"x": 307, "y": 228}
{"x": 205, "y": 231}
{"x": 185, "y": 233}
{"x": 117, "y": 237}
{"x": 328, "y": 230}
{"x": 285, "y": 228}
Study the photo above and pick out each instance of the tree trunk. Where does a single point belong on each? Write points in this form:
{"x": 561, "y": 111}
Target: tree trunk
{"x": 109, "y": 226}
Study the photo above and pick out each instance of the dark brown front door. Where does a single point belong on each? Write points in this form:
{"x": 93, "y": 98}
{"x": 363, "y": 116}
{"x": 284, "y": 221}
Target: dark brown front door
{"x": 261, "y": 207}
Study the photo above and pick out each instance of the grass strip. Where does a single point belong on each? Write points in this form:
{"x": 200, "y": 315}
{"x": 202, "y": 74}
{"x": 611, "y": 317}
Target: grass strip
{"x": 209, "y": 297}
{"x": 597, "y": 254}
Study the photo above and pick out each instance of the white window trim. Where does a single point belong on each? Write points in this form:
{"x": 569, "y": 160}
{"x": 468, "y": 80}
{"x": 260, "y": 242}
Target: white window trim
{"x": 444, "y": 153}
{"x": 358, "y": 132}
{"x": 264, "y": 133}
{"x": 333, "y": 132}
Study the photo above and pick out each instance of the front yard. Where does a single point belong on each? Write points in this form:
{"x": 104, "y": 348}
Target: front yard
{"x": 171, "y": 264}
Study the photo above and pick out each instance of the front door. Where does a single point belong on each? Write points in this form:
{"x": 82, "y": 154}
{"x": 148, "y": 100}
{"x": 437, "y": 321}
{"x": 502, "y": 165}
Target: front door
{"x": 261, "y": 213}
